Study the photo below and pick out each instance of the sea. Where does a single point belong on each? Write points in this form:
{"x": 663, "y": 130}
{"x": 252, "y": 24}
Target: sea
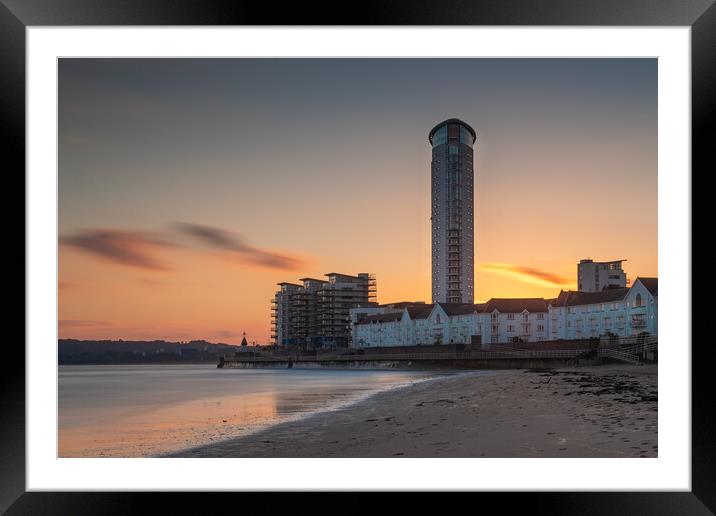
{"x": 151, "y": 410}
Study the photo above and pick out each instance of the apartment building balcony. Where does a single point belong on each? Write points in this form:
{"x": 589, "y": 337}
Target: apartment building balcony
{"x": 638, "y": 323}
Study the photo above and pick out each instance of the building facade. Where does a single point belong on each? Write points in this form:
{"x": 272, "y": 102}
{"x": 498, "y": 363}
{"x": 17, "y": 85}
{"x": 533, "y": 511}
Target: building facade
{"x": 619, "y": 312}
{"x": 316, "y": 313}
{"x": 452, "y": 187}
{"x": 596, "y": 276}
{"x": 281, "y": 310}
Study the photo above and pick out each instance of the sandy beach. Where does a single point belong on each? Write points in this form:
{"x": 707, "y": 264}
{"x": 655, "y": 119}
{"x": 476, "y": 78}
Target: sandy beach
{"x": 601, "y": 411}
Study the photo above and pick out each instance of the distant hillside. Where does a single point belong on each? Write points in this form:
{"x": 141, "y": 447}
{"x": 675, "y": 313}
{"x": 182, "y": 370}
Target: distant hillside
{"x": 71, "y": 351}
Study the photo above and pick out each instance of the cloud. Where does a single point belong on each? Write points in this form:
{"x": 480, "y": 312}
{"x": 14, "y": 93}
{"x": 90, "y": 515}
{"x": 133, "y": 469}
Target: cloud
{"x": 225, "y": 334}
{"x": 80, "y": 323}
{"x": 150, "y": 282}
{"x": 131, "y": 248}
{"x": 227, "y": 241}
{"x": 528, "y": 274}
{"x": 139, "y": 248}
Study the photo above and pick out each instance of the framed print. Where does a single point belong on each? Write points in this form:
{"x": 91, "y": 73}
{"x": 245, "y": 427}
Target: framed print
{"x": 420, "y": 251}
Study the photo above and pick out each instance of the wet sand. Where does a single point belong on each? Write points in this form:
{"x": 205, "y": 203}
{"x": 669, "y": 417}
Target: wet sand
{"x": 601, "y": 411}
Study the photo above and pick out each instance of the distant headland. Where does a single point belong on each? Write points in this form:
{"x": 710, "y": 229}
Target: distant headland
{"x": 75, "y": 352}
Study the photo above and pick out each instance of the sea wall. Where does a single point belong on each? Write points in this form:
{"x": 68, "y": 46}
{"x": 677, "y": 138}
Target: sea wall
{"x": 508, "y": 363}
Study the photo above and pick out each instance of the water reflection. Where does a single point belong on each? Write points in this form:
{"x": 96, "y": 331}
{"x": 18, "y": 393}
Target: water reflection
{"x": 131, "y": 411}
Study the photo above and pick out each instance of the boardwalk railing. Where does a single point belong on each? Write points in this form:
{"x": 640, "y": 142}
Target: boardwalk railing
{"x": 370, "y": 357}
{"x": 627, "y": 351}
{"x": 626, "y": 341}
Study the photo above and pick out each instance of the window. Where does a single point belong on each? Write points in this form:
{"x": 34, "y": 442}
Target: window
{"x": 440, "y": 136}
{"x": 511, "y": 317}
{"x": 638, "y": 301}
{"x": 465, "y": 136}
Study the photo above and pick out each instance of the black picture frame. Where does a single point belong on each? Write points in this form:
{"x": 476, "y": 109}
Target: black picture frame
{"x": 17, "y": 15}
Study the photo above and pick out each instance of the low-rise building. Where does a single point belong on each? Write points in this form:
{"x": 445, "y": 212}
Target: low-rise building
{"x": 515, "y": 320}
{"x": 620, "y": 312}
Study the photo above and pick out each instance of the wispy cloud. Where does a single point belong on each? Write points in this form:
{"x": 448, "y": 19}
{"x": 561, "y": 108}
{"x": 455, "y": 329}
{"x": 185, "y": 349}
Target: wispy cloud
{"x": 226, "y": 334}
{"x": 82, "y": 323}
{"x": 140, "y": 248}
{"x": 528, "y": 274}
{"x": 229, "y": 242}
{"x": 132, "y": 248}
{"x": 147, "y": 282}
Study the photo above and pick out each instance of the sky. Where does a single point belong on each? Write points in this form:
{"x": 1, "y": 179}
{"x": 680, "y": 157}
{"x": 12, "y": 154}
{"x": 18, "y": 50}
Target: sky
{"x": 189, "y": 187}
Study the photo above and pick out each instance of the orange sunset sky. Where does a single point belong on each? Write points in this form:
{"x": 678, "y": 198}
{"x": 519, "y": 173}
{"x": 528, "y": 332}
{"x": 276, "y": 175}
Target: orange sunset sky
{"x": 189, "y": 187}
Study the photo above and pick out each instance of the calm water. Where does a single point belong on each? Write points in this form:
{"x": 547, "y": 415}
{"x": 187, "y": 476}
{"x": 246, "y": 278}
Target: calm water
{"x": 146, "y": 410}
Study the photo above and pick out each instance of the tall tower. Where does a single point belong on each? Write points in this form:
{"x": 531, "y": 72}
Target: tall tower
{"x": 453, "y": 237}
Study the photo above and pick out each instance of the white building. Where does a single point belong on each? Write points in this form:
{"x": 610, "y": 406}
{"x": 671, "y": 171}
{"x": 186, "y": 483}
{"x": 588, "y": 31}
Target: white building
{"x": 515, "y": 320}
{"x": 622, "y": 312}
{"x": 596, "y": 276}
{"x": 362, "y": 312}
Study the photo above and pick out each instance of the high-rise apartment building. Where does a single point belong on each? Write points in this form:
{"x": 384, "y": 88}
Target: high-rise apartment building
{"x": 453, "y": 210}
{"x": 596, "y": 276}
{"x": 317, "y": 313}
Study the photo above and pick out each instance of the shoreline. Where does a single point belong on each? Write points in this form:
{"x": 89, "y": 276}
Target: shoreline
{"x": 297, "y": 418}
{"x": 595, "y": 411}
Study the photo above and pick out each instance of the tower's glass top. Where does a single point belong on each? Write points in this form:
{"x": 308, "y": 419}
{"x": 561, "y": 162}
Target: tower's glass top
{"x": 452, "y": 130}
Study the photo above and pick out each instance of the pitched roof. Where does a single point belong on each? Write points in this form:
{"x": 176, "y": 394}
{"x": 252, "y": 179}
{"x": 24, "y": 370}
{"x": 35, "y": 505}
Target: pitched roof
{"x": 651, "y": 284}
{"x": 402, "y": 304}
{"x": 420, "y": 311}
{"x": 516, "y": 305}
{"x": 575, "y": 297}
{"x": 381, "y": 318}
{"x": 458, "y": 308}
